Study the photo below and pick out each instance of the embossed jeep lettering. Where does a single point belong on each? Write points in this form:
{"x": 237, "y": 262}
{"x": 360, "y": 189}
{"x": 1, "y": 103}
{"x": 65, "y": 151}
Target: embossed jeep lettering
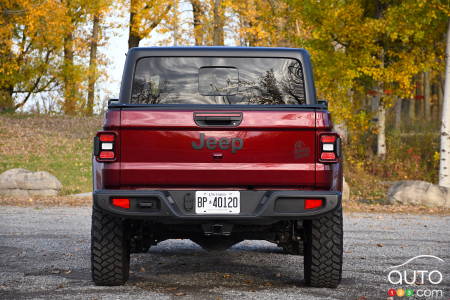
{"x": 223, "y": 143}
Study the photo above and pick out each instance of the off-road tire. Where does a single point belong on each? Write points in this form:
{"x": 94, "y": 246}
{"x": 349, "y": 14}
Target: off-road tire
{"x": 323, "y": 250}
{"x": 110, "y": 250}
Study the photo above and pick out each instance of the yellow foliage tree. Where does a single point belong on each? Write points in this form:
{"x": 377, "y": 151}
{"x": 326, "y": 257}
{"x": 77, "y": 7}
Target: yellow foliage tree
{"x": 30, "y": 44}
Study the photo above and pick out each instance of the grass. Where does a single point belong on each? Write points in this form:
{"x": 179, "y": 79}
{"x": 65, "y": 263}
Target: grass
{"x": 61, "y": 145}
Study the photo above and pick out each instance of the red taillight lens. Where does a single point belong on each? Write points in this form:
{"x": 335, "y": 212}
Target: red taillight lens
{"x": 313, "y": 203}
{"x": 105, "y": 146}
{"x": 106, "y": 137}
{"x": 121, "y": 202}
{"x": 106, "y": 155}
{"x": 328, "y": 138}
{"x": 328, "y": 156}
{"x": 329, "y": 148}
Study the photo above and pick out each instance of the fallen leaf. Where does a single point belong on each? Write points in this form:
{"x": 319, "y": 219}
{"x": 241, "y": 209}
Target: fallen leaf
{"x": 380, "y": 245}
{"x": 226, "y": 276}
{"x": 180, "y": 294}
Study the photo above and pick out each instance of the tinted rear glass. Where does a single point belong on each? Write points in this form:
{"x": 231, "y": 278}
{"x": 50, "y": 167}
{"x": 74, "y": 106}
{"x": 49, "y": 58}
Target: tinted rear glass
{"x": 218, "y": 80}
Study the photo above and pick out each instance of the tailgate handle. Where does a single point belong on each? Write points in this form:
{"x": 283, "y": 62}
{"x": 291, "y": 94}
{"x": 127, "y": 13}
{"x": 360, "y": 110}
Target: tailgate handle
{"x": 217, "y": 119}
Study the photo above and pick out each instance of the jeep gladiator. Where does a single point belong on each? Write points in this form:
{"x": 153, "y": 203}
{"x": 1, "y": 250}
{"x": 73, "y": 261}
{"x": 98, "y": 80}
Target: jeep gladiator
{"x": 217, "y": 145}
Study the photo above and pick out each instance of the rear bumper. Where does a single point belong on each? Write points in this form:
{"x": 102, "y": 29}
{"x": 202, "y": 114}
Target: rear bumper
{"x": 177, "y": 206}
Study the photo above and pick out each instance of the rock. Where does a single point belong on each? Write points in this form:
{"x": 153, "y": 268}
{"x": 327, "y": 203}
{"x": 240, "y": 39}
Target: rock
{"x": 24, "y": 183}
{"x": 345, "y": 191}
{"x": 414, "y": 192}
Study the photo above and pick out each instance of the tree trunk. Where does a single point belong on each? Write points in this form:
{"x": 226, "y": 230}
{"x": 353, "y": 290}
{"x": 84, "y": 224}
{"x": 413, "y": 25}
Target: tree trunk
{"x": 6, "y": 99}
{"x": 381, "y": 137}
{"x": 69, "y": 105}
{"x": 412, "y": 109}
{"x": 93, "y": 65}
{"x": 6, "y": 57}
{"x": 444, "y": 169}
{"x": 440, "y": 98}
{"x": 398, "y": 114}
{"x": 427, "y": 95}
{"x": 198, "y": 13}
{"x": 218, "y": 35}
{"x": 133, "y": 35}
{"x": 420, "y": 109}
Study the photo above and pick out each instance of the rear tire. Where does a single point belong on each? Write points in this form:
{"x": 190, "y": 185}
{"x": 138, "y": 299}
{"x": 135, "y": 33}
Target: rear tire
{"x": 323, "y": 250}
{"x": 110, "y": 250}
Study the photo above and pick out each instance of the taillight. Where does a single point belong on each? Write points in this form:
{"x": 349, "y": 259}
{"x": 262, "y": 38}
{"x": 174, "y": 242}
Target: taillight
{"x": 329, "y": 148}
{"x": 106, "y": 137}
{"x": 121, "y": 202}
{"x": 105, "y": 146}
{"x": 313, "y": 203}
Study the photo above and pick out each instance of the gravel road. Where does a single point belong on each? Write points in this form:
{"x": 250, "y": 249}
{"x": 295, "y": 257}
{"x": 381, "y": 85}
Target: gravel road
{"x": 44, "y": 254}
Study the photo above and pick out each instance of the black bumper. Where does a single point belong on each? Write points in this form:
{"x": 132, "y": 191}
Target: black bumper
{"x": 176, "y": 206}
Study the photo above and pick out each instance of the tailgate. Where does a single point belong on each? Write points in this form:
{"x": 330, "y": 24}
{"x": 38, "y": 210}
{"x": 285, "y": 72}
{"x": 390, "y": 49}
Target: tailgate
{"x": 240, "y": 149}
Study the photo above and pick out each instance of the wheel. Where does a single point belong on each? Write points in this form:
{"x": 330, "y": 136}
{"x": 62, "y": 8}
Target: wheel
{"x": 215, "y": 243}
{"x": 110, "y": 250}
{"x": 323, "y": 250}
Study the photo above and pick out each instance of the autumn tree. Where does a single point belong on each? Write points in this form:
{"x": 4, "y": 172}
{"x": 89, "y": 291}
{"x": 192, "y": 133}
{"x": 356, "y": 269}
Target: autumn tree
{"x": 145, "y": 15}
{"x": 370, "y": 48}
{"x": 198, "y": 16}
{"x": 30, "y": 44}
{"x": 97, "y": 11}
{"x": 260, "y": 22}
{"x": 444, "y": 171}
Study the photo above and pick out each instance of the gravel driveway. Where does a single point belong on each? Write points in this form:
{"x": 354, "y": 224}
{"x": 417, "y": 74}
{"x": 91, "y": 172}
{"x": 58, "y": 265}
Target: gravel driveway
{"x": 44, "y": 254}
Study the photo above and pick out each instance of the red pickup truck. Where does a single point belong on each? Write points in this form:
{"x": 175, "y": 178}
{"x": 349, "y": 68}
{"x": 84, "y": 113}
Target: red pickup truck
{"x": 217, "y": 145}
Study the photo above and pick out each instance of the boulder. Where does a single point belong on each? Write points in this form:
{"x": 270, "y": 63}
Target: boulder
{"x": 415, "y": 192}
{"x": 345, "y": 191}
{"x": 24, "y": 183}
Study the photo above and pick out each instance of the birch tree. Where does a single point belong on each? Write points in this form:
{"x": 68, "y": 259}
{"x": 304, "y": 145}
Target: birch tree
{"x": 444, "y": 167}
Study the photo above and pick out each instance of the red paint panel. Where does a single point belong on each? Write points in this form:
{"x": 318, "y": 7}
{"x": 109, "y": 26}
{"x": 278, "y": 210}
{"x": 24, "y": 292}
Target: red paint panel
{"x": 323, "y": 120}
{"x": 251, "y": 119}
{"x": 278, "y": 150}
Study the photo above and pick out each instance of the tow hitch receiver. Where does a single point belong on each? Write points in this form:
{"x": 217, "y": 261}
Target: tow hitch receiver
{"x": 217, "y": 229}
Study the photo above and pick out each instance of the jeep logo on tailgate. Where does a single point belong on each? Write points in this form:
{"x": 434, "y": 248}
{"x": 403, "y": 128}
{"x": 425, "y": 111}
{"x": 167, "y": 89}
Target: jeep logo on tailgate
{"x": 223, "y": 143}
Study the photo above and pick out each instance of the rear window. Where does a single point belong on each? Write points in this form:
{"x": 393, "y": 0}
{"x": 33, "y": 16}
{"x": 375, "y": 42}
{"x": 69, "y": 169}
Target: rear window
{"x": 218, "y": 80}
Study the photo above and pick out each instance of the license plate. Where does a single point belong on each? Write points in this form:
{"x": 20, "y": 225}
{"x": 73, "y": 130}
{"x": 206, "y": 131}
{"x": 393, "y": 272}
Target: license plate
{"x": 217, "y": 202}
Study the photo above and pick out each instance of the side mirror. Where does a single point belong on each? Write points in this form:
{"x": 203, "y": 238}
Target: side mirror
{"x": 113, "y": 102}
{"x": 324, "y": 103}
